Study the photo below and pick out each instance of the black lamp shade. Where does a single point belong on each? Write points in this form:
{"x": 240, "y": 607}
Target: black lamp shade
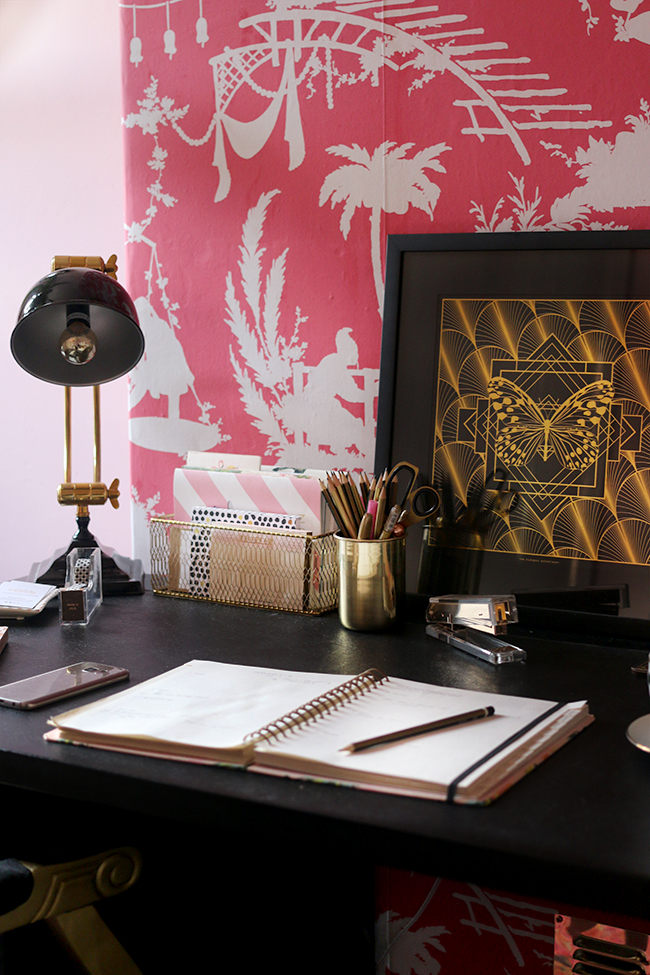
{"x": 43, "y": 317}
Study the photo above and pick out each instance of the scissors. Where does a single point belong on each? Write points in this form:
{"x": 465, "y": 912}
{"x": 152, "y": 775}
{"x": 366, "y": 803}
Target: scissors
{"x": 414, "y": 504}
{"x": 505, "y": 500}
{"x": 478, "y": 515}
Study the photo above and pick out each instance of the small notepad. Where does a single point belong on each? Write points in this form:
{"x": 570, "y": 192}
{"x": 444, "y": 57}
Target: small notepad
{"x": 24, "y": 598}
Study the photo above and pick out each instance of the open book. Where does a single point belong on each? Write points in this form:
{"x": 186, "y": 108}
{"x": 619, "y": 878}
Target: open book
{"x": 298, "y": 723}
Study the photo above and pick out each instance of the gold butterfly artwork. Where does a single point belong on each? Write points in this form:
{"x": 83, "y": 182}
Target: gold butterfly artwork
{"x": 570, "y": 431}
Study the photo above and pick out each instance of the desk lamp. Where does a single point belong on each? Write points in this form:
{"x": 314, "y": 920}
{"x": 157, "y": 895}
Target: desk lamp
{"x": 78, "y": 327}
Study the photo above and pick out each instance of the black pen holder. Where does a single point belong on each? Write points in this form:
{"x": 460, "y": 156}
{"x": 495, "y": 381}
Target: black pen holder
{"x": 450, "y": 561}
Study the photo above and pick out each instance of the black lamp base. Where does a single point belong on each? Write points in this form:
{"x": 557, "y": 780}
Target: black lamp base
{"x": 115, "y": 580}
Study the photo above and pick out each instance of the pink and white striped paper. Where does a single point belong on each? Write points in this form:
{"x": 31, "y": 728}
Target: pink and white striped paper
{"x": 275, "y": 493}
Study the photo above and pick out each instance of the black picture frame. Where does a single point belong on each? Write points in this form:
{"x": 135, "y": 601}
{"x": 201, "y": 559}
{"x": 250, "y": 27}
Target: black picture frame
{"x": 422, "y": 270}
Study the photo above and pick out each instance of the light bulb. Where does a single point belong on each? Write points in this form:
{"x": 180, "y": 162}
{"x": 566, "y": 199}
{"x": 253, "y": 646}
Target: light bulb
{"x": 78, "y": 343}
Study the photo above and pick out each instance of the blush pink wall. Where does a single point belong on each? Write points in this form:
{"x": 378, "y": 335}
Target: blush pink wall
{"x": 60, "y": 193}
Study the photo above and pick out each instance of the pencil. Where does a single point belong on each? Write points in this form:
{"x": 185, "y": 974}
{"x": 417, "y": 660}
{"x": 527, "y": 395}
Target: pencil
{"x": 341, "y": 507}
{"x": 346, "y": 495}
{"x": 381, "y": 511}
{"x": 330, "y": 504}
{"x": 381, "y": 480}
{"x": 354, "y": 496}
{"x": 420, "y": 729}
{"x": 365, "y": 488}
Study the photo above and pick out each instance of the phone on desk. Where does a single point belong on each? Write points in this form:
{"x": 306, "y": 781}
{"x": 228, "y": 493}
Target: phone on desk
{"x": 34, "y": 692}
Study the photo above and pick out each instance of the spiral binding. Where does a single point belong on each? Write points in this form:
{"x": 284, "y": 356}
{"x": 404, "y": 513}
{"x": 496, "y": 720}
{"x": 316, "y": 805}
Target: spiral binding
{"x": 320, "y": 705}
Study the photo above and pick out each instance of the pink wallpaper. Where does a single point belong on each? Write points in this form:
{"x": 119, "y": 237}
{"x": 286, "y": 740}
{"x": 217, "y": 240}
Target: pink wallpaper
{"x": 431, "y": 925}
{"x": 271, "y": 146}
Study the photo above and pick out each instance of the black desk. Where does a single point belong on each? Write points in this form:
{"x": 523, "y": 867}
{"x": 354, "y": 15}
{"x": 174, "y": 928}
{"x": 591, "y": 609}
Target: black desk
{"x": 575, "y": 830}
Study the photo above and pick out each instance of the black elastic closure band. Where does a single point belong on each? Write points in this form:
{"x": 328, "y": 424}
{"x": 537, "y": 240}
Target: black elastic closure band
{"x": 451, "y": 791}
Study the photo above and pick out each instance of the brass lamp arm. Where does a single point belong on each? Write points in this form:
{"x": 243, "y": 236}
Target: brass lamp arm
{"x": 84, "y": 493}
{"x": 89, "y": 492}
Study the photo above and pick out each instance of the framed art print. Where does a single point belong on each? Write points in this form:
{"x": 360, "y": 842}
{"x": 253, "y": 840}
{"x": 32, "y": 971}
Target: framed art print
{"x": 528, "y": 354}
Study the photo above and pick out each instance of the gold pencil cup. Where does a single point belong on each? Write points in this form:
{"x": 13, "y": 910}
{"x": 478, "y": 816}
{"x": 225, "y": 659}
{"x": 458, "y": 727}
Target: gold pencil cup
{"x": 371, "y": 581}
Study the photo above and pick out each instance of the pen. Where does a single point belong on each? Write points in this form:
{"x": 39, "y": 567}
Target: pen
{"x": 390, "y": 522}
{"x": 420, "y": 729}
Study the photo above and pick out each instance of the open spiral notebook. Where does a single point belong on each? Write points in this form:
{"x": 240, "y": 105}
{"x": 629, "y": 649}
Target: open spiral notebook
{"x": 297, "y": 724}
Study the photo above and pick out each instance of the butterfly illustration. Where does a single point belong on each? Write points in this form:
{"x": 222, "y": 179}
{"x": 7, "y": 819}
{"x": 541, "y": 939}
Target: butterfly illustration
{"x": 569, "y": 431}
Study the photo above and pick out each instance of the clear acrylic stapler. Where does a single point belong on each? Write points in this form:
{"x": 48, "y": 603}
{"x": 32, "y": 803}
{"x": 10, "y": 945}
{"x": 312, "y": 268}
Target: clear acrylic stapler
{"x": 473, "y": 624}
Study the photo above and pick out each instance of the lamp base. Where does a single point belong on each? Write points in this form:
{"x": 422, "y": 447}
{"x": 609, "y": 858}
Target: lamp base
{"x": 120, "y": 576}
{"x": 639, "y": 733}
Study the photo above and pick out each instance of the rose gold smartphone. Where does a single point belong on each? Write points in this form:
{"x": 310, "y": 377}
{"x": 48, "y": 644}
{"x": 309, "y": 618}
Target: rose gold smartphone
{"x": 34, "y": 692}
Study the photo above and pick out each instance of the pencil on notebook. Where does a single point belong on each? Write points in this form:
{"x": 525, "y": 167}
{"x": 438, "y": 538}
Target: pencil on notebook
{"x": 422, "y": 729}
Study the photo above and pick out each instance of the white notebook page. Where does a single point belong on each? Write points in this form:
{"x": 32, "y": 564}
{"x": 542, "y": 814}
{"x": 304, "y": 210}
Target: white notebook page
{"x": 438, "y": 757}
{"x": 201, "y": 703}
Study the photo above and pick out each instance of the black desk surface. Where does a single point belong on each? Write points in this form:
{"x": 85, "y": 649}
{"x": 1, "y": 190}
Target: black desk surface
{"x": 575, "y": 830}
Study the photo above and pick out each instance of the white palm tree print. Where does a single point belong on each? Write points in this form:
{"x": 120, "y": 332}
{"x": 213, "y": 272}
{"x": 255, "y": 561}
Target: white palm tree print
{"x": 384, "y": 181}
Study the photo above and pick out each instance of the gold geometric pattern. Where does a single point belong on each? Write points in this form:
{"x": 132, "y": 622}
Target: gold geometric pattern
{"x": 556, "y": 393}
{"x": 570, "y": 431}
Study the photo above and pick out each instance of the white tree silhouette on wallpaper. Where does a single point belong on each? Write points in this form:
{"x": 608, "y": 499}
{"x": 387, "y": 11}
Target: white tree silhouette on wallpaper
{"x": 163, "y": 369}
{"x": 631, "y": 27}
{"x": 616, "y": 176}
{"x": 590, "y": 20}
{"x": 298, "y": 408}
{"x": 403, "y": 949}
{"x": 384, "y": 181}
{"x": 525, "y": 931}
